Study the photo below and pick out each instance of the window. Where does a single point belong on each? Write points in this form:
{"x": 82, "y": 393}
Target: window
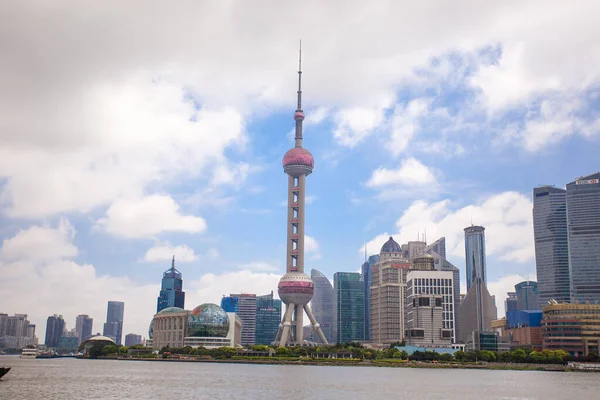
{"x": 424, "y": 301}
{"x": 438, "y": 302}
{"x": 417, "y": 333}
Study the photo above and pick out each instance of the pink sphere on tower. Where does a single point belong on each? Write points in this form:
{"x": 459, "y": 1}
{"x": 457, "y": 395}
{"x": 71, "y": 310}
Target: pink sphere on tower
{"x": 298, "y": 161}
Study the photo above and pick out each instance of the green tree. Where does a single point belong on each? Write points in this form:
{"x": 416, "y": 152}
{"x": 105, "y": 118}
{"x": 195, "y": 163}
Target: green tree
{"x": 518, "y": 355}
{"x": 446, "y": 357}
{"x": 109, "y": 349}
{"x": 283, "y": 351}
{"x": 460, "y": 356}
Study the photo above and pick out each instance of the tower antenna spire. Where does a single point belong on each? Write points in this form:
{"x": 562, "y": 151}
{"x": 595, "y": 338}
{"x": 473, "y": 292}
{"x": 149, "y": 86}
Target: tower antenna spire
{"x": 173, "y": 262}
{"x": 300, "y": 77}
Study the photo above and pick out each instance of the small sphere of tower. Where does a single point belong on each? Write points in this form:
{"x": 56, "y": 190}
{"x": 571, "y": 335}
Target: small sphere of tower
{"x": 299, "y": 116}
{"x": 296, "y": 288}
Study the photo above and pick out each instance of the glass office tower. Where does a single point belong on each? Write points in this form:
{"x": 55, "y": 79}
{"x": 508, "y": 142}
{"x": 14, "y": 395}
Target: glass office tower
{"x": 349, "y": 302}
{"x": 268, "y": 318}
{"x": 171, "y": 291}
{"x": 322, "y": 304}
{"x": 475, "y": 254}
{"x": 583, "y": 223}
{"x": 551, "y": 244}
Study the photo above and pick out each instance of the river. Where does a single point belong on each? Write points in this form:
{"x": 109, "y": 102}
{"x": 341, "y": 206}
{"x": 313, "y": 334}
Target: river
{"x": 69, "y": 378}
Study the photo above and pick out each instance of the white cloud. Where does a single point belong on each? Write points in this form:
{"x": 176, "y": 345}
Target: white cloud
{"x": 506, "y": 217}
{"x": 147, "y": 217}
{"x": 405, "y": 124}
{"x": 355, "y": 124}
{"x": 411, "y": 173}
{"x": 165, "y": 252}
{"x": 311, "y": 247}
{"x": 260, "y": 266}
{"x": 39, "y": 243}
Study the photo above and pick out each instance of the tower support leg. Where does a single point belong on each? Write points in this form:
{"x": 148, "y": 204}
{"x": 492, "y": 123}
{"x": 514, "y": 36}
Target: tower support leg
{"x": 287, "y": 324}
{"x": 315, "y": 324}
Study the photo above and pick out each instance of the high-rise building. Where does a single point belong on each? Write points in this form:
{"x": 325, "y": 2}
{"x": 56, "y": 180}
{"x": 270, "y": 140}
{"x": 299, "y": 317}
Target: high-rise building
{"x": 244, "y": 305}
{"x": 268, "y": 318}
{"x": 366, "y": 275}
{"x": 583, "y": 223}
{"x": 295, "y": 288}
{"x": 388, "y": 286}
{"x": 475, "y": 254}
{"x": 429, "y": 307}
{"x": 478, "y": 308}
{"x": 437, "y": 250}
{"x": 171, "y": 291}
{"x": 551, "y": 244}
{"x": 113, "y": 328}
{"x": 349, "y": 302}
{"x": 511, "y": 302}
{"x": 477, "y": 311}
{"x": 83, "y": 327}
{"x": 131, "y": 339}
{"x": 415, "y": 249}
{"x": 55, "y": 326}
{"x": 322, "y": 304}
{"x": 527, "y": 295}
{"x": 16, "y": 332}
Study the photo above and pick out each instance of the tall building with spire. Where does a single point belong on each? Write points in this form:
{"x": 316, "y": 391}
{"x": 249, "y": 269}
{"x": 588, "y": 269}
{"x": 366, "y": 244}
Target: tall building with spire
{"x": 171, "y": 291}
{"x": 295, "y": 288}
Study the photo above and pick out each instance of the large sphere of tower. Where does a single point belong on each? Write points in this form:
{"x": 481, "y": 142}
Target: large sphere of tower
{"x": 296, "y": 288}
{"x": 298, "y": 161}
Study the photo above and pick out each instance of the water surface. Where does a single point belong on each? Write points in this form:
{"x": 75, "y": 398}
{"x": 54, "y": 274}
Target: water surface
{"x": 69, "y": 378}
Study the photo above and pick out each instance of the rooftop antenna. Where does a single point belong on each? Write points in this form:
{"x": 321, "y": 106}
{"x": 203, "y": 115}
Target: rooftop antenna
{"x": 173, "y": 262}
{"x": 425, "y": 236}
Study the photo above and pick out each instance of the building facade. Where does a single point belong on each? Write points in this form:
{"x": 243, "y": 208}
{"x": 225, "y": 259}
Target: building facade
{"x": 322, "y": 305}
{"x": 429, "y": 307}
{"x": 16, "y": 332}
{"x": 511, "y": 302}
{"x": 349, "y": 303}
{"x": 55, "y": 326}
{"x": 113, "y": 328}
{"x": 437, "y": 250}
{"x": 366, "y": 277}
{"x": 527, "y": 295}
{"x": 169, "y": 328}
{"x": 477, "y": 311}
{"x": 244, "y": 305}
{"x": 475, "y": 254}
{"x": 551, "y": 244}
{"x": 388, "y": 290}
{"x": 574, "y": 328}
{"x": 268, "y": 318}
{"x": 583, "y": 224}
{"x": 171, "y": 290}
{"x": 131, "y": 339}
{"x": 83, "y": 327}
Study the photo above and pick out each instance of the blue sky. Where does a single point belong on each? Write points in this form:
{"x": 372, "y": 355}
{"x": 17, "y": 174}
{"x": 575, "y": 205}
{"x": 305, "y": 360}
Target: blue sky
{"x": 165, "y": 136}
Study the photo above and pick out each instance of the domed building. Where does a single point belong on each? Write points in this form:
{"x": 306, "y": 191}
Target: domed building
{"x": 207, "y": 325}
{"x": 86, "y": 345}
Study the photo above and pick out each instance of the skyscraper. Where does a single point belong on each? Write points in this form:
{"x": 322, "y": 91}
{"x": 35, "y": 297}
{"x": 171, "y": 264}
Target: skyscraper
{"x": 437, "y": 250}
{"x": 171, "y": 291}
{"x": 475, "y": 254}
{"x": 268, "y": 318}
{"x": 477, "y": 310}
{"x": 55, "y": 326}
{"x": 551, "y": 244}
{"x": 322, "y": 303}
{"x": 131, "y": 339}
{"x": 527, "y": 295}
{"x": 113, "y": 327}
{"x": 388, "y": 289}
{"x": 83, "y": 327}
{"x": 349, "y": 301}
{"x": 244, "y": 305}
{"x": 511, "y": 302}
{"x": 366, "y": 278}
{"x": 583, "y": 222}
{"x": 295, "y": 287}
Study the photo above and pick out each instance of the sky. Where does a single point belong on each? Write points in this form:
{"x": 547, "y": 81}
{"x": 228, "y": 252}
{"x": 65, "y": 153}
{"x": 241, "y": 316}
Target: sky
{"x": 132, "y": 131}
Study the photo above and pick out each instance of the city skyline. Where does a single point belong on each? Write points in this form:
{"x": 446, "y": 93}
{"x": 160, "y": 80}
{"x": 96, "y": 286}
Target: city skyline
{"x": 155, "y": 141}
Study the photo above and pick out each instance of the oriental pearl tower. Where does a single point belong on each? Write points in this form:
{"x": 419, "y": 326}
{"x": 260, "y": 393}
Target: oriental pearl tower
{"x": 296, "y": 288}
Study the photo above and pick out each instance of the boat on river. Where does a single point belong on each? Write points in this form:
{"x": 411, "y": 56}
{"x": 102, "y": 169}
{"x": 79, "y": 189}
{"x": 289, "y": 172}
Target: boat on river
{"x": 4, "y": 371}
{"x": 29, "y": 353}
